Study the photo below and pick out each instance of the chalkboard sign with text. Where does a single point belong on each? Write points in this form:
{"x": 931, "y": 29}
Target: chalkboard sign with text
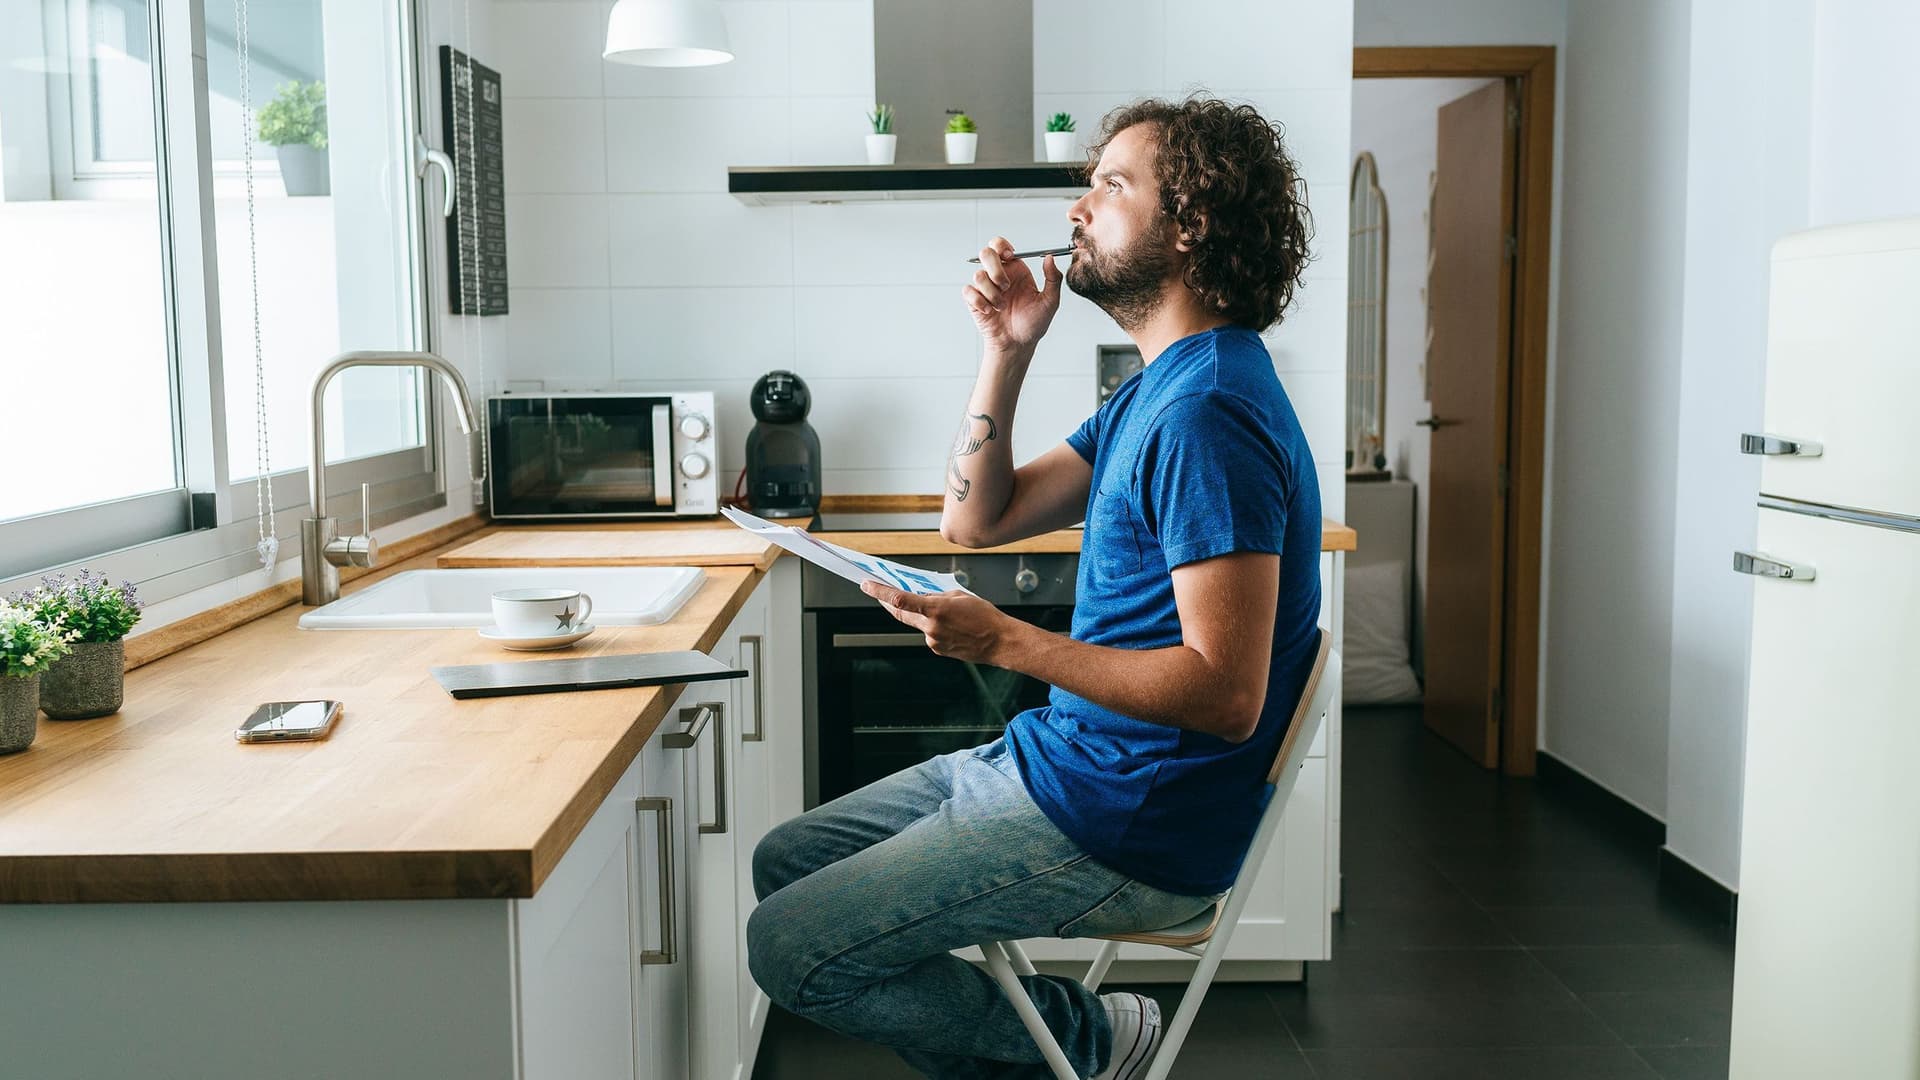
{"x": 477, "y": 229}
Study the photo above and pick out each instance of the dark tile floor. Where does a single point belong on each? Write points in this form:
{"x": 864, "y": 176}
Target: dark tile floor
{"x": 1490, "y": 931}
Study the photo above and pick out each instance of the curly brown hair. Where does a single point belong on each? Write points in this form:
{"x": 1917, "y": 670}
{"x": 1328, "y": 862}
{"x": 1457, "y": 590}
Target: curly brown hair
{"x": 1227, "y": 181}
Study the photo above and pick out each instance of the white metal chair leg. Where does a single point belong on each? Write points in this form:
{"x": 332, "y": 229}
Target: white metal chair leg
{"x": 1102, "y": 960}
{"x": 1021, "y": 965}
{"x": 1002, "y": 969}
{"x": 1197, "y": 987}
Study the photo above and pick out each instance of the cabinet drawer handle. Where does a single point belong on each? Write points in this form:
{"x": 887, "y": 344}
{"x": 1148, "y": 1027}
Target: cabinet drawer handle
{"x": 1778, "y": 446}
{"x": 1746, "y": 562}
{"x": 662, "y": 806}
{"x": 759, "y": 703}
{"x": 695, "y": 718}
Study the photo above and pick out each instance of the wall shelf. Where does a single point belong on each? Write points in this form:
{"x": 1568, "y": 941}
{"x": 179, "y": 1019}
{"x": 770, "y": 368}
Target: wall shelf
{"x": 783, "y": 184}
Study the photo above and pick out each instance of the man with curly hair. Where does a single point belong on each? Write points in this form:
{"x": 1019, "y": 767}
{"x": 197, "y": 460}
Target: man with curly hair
{"x": 1127, "y": 803}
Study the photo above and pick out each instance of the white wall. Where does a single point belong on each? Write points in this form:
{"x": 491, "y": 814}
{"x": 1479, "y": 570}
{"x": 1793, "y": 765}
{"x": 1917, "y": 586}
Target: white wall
{"x": 1610, "y": 591}
{"x": 632, "y": 267}
{"x": 1397, "y": 121}
{"x": 1865, "y": 111}
{"x": 1747, "y": 172}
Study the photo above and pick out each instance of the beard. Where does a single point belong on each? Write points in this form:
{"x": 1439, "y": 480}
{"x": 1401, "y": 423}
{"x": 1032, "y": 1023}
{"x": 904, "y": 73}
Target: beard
{"x": 1128, "y": 284}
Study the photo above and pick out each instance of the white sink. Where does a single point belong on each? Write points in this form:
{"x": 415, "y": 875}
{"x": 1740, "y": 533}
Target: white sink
{"x": 423, "y": 599}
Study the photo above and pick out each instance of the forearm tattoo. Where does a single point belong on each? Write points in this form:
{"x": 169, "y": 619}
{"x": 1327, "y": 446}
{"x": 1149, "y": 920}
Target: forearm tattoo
{"x": 978, "y": 430}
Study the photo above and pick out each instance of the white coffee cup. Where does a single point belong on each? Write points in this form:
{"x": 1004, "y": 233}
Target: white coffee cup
{"x": 541, "y": 612}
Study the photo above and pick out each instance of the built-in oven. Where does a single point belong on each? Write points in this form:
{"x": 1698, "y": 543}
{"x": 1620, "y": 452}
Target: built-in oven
{"x": 878, "y": 700}
{"x": 581, "y": 456}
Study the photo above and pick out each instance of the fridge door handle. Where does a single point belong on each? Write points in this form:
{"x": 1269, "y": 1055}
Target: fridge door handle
{"x": 1747, "y": 562}
{"x": 1778, "y": 446}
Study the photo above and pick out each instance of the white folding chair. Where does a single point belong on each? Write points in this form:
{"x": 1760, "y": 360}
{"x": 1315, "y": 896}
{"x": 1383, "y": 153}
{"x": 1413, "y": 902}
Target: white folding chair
{"x": 1206, "y": 934}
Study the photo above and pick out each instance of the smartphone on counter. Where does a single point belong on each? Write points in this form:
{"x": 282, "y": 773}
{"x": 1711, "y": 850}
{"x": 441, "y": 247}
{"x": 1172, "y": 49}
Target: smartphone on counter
{"x": 287, "y": 721}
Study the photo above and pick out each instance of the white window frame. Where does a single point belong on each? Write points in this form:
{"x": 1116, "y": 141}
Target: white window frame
{"x": 203, "y": 531}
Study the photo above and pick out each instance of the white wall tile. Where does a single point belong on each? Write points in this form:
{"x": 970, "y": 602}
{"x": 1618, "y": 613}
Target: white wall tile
{"x": 554, "y": 145}
{"x": 686, "y": 144}
{"x": 919, "y": 330}
{"x": 697, "y": 240}
{"x": 1314, "y": 127}
{"x": 1313, "y": 335}
{"x": 1028, "y": 223}
{"x": 829, "y": 130}
{"x": 757, "y": 33}
{"x": 557, "y": 240}
{"x": 921, "y": 415}
{"x": 831, "y": 43}
{"x": 891, "y": 243}
{"x": 1290, "y": 44}
{"x": 548, "y": 49}
{"x": 1320, "y": 401}
{"x": 559, "y": 336}
{"x": 702, "y": 333}
{"x": 1079, "y": 46}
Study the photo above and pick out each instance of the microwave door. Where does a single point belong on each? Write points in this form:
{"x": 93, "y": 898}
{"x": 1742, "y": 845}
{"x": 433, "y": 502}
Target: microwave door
{"x": 663, "y": 455}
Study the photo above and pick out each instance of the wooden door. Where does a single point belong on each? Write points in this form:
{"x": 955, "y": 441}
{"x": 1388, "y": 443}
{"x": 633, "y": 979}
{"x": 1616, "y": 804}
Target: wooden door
{"x": 1470, "y": 310}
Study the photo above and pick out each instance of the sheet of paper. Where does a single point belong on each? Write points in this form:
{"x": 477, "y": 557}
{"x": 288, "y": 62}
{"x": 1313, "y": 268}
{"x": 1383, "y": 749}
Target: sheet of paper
{"x": 855, "y": 566}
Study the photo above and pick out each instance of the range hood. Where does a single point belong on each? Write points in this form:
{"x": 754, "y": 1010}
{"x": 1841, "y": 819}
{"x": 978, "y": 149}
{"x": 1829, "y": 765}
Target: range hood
{"x": 782, "y": 184}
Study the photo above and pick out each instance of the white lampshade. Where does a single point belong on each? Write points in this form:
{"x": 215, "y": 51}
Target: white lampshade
{"x": 667, "y": 33}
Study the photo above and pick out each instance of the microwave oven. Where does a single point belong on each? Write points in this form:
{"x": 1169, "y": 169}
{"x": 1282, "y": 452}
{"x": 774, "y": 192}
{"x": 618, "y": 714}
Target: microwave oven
{"x": 580, "y": 456}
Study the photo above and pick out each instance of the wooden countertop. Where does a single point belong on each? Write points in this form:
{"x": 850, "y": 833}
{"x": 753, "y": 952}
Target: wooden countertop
{"x": 414, "y": 795}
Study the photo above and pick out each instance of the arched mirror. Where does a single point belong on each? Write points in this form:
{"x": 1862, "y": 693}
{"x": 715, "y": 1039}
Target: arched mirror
{"x": 1366, "y": 318}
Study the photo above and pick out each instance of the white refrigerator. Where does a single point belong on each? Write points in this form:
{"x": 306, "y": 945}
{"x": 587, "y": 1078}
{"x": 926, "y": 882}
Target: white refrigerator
{"x": 1827, "y": 955}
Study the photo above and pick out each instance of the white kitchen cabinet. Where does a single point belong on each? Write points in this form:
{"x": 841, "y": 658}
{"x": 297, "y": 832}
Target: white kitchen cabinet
{"x": 755, "y": 782}
{"x": 602, "y": 987}
{"x": 576, "y": 996}
{"x": 660, "y": 929}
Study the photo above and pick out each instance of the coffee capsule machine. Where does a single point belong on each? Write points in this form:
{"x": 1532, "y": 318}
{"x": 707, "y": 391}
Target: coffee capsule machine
{"x": 783, "y": 452}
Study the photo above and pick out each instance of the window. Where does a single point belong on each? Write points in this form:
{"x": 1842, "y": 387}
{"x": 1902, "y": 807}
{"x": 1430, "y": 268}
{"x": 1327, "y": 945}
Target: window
{"x": 132, "y": 261}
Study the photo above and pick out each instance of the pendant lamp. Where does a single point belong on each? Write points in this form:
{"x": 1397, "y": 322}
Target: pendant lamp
{"x": 667, "y": 33}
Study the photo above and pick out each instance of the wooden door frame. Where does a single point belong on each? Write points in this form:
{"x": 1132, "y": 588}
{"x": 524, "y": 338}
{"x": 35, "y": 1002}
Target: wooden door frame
{"x": 1531, "y": 67}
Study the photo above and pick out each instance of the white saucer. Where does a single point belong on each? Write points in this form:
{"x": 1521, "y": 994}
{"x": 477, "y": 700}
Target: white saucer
{"x": 536, "y": 642}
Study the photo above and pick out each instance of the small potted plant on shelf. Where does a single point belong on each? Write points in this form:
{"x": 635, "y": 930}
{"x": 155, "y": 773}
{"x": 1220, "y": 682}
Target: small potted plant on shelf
{"x": 90, "y": 680}
{"x": 1060, "y": 137}
{"x": 28, "y": 646}
{"x": 963, "y": 139}
{"x": 882, "y": 141}
{"x": 294, "y": 123}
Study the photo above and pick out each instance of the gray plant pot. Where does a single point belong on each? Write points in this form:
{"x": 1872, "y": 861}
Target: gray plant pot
{"x": 87, "y": 682}
{"x": 19, "y": 711}
{"x": 303, "y": 169}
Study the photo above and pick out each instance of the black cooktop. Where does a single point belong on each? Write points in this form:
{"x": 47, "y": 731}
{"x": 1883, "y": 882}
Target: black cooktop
{"x": 910, "y": 521}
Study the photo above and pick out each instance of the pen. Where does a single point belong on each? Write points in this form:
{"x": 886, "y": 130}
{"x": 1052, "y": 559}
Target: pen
{"x": 1068, "y": 250}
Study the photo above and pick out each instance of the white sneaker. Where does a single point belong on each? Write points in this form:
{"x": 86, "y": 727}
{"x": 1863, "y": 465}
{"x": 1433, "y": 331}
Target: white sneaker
{"x": 1136, "y": 1034}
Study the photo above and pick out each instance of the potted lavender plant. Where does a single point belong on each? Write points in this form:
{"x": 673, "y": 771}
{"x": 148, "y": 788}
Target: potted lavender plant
{"x": 91, "y": 680}
{"x": 28, "y": 647}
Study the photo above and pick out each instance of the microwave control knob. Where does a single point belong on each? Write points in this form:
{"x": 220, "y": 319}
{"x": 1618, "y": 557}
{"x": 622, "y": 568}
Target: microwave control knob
{"x": 1026, "y": 580}
{"x": 960, "y": 577}
{"x": 694, "y": 466}
{"x": 694, "y": 427}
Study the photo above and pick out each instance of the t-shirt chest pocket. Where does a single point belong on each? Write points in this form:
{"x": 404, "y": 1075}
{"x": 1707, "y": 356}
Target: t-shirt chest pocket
{"x": 1111, "y": 541}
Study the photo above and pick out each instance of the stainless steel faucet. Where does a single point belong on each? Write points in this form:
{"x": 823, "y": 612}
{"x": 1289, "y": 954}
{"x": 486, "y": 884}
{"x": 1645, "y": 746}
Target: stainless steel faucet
{"x": 322, "y": 549}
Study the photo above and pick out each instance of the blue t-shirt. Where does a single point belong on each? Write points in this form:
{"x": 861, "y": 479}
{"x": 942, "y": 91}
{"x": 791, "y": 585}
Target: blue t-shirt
{"x": 1196, "y": 456}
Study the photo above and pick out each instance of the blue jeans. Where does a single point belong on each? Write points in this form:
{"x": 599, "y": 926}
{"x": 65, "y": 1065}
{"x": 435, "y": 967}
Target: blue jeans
{"x": 861, "y": 900}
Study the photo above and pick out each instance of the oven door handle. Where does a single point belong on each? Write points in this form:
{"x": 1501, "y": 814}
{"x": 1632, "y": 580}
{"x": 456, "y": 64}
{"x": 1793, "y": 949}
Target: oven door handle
{"x": 663, "y": 455}
{"x": 880, "y": 641}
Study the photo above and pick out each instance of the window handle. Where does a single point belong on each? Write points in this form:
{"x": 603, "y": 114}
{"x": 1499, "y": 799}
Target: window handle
{"x": 424, "y": 156}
